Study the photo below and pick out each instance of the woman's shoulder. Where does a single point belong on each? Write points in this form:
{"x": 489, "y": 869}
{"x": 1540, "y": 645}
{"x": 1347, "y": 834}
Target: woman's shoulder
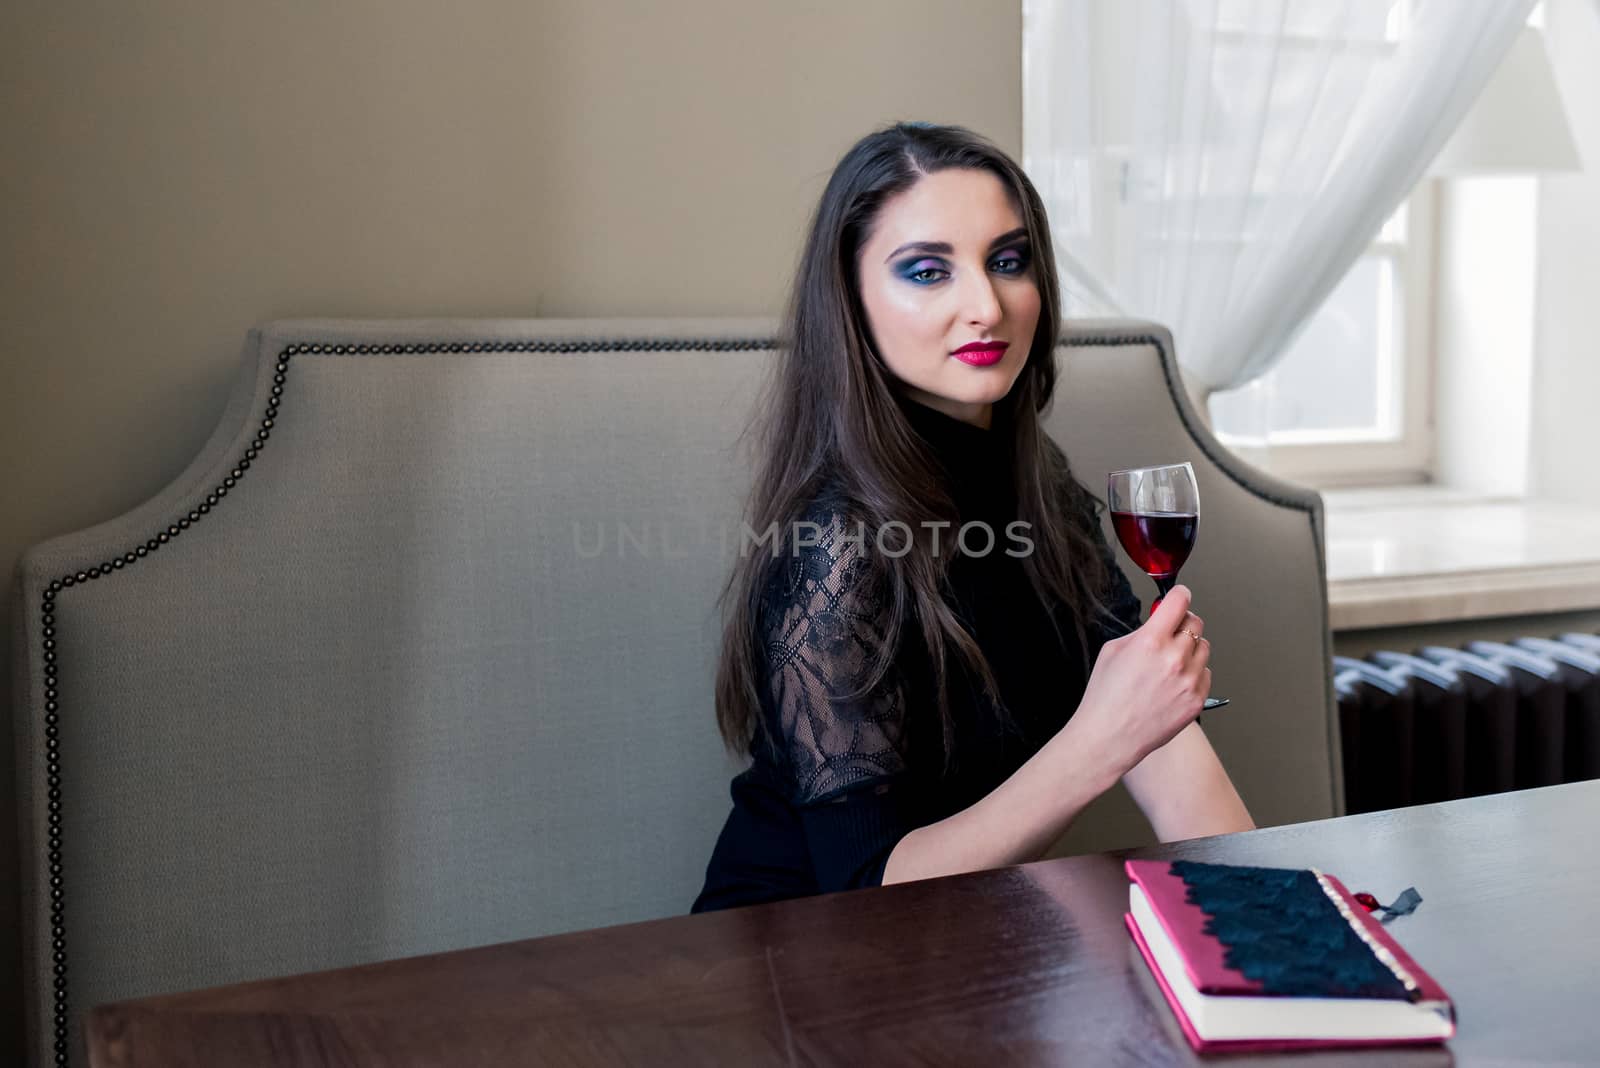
{"x": 830, "y": 522}
{"x": 825, "y": 553}
{"x": 829, "y": 499}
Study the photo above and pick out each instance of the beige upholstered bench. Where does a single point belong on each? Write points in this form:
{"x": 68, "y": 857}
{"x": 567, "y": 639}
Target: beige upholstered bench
{"x": 417, "y": 653}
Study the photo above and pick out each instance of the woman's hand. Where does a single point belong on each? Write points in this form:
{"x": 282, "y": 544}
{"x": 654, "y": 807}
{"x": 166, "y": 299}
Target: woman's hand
{"x": 1148, "y": 685}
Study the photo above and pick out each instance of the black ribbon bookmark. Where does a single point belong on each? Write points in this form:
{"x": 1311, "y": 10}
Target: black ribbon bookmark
{"x": 1404, "y": 905}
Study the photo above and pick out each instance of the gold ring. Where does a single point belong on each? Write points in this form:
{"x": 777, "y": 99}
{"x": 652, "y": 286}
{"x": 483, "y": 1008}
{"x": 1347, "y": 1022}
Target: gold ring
{"x": 1190, "y": 633}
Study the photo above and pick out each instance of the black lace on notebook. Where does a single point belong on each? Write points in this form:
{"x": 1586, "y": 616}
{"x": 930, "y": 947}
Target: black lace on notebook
{"x": 1286, "y": 929}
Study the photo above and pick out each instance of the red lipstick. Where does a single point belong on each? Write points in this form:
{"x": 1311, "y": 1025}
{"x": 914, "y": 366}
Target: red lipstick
{"x": 981, "y": 353}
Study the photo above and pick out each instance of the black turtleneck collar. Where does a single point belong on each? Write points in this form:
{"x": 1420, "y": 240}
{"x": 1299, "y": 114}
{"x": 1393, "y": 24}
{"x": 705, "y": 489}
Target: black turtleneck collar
{"x": 977, "y": 461}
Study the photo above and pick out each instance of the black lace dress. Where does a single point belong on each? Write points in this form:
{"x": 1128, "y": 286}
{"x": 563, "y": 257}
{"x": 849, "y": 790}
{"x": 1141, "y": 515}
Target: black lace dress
{"x": 822, "y": 808}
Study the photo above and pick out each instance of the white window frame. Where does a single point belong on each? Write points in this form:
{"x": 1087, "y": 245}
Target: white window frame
{"x": 1331, "y": 459}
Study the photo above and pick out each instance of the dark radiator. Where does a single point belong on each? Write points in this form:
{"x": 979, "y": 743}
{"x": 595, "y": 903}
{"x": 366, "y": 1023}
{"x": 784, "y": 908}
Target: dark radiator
{"x": 1446, "y": 723}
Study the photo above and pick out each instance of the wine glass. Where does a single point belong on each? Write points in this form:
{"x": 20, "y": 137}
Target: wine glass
{"x": 1156, "y": 514}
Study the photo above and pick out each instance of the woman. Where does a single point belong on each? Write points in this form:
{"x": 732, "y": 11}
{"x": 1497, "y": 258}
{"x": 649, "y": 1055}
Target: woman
{"x": 915, "y": 705}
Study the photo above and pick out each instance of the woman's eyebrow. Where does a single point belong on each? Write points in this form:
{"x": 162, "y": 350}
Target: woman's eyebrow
{"x": 943, "y": 248}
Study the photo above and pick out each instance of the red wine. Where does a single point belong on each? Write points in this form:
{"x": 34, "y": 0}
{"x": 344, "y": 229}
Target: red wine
{"x": 1159, "y": 542}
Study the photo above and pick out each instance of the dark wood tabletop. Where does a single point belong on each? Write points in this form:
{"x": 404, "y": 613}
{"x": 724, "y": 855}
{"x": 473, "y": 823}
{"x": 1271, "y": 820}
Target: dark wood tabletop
{"x": 1022, "y": 965}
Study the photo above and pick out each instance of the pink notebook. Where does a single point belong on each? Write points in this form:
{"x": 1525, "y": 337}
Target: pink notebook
{"x": 1273, "y": 958}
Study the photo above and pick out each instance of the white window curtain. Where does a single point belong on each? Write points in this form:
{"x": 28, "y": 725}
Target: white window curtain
{"x": 1218, "y": 165}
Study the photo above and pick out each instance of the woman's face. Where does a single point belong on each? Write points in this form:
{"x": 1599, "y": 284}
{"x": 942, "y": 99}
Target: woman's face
{"x": 948, "y": 264}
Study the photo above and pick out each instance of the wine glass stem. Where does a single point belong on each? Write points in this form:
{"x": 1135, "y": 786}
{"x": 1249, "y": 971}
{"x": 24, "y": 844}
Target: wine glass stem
{"x": 1163, "y": 587}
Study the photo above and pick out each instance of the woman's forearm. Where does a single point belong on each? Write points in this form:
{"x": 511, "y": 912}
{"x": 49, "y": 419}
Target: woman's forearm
{"x": 1136, "y": 723}
{"x": 1184, "y": 791}
{"x": 1018, "y": 820}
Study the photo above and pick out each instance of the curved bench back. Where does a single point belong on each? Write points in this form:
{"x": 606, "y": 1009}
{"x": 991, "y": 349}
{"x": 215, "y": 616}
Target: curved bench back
{"x": 418, "y": 653}
{"x": 1257, "y": 573}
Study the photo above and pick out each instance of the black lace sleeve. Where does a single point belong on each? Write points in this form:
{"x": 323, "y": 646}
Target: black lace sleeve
{"x": 823, "y": 622}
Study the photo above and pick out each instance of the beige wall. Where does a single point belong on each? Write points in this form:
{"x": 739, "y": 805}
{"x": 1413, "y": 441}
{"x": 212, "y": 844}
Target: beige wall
{"x": 1566, "y": 435}
{"x": 176, "y": 171}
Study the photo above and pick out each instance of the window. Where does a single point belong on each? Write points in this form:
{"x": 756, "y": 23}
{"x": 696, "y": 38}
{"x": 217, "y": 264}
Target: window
{"x": 1349, "y": 402}
{"x": 1353, "y": 402}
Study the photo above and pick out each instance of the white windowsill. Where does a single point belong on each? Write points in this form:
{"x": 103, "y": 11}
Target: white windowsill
{"x": 1425, "y": 554}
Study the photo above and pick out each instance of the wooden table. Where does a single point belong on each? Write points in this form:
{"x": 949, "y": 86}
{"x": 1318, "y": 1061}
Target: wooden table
{"x": 1027, "y": 964}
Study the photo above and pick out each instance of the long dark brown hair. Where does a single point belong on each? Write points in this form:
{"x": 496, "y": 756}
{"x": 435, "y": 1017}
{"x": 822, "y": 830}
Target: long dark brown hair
{"x": 829, "y": 417}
